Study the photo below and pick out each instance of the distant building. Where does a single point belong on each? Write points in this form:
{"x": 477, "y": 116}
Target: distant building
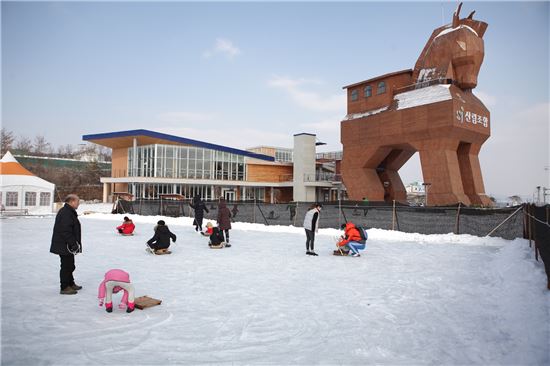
{"x": 148, "y": 163}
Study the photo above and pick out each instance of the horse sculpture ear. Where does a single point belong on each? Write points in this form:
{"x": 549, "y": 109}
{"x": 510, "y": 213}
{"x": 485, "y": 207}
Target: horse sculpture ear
{"x": 456, "y": 16}
{"x": 471, "y": 16}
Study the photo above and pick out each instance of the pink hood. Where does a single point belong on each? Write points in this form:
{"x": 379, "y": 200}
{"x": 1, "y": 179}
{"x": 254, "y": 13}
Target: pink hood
{"x": 114, "y": 275}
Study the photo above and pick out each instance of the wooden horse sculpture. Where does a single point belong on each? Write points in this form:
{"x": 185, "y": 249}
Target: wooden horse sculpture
{"x": 430, "y": 110}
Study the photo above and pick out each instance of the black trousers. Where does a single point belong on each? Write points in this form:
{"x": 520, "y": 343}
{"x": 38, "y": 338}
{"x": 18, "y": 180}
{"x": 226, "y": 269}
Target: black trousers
{"x": 198, "y": 224}
{"x": 66, "y": 273}
{"x": 226, "y": 235}
{"x": 310, "y": 239}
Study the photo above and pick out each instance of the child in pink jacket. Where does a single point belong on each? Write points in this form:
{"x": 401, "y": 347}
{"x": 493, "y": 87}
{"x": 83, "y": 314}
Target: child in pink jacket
{"x": 116, "y": 280}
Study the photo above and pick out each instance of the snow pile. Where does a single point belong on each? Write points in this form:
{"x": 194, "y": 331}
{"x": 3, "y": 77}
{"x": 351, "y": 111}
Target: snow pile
{"x": 409, "y": 299}
{"x": 427, "y": 95}
{"x": 449, "y": 30}
{"x": 352, "y": 116}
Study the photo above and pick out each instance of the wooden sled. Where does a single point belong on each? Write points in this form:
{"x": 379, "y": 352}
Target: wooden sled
{"x": 158, "y": 252}
{"x": 340, "y": 253}
{"x": 219, "y": 246}
{"x": 122, "y": 234}
{"x": 143, "y": 302}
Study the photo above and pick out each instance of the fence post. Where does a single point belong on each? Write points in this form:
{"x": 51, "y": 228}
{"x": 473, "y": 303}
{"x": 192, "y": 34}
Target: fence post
{"x": 457, "y": 228}
{"x": 393, "y": 217}
{"x": 254, "y": 210}
{"x": 339, "y": 211}
{"x": 530, "y": 232}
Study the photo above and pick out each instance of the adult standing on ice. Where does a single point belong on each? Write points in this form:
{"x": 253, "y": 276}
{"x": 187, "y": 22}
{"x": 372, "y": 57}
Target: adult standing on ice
{"x": 66, "y": 242}
{"x": 224, "y": 220}
{"x": 311, "y": 225}
{"x": 199, "y": 207}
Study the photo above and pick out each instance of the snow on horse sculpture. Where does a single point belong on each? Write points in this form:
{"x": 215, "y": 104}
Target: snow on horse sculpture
{"x": 430, "y": 110}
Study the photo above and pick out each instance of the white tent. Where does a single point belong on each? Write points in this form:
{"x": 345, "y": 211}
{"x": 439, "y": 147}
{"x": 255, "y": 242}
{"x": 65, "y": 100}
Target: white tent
{"x": 22, "y": 191}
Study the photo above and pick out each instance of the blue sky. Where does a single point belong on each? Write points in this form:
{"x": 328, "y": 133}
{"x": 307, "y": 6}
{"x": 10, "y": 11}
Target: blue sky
{"x": 245, "y": 74}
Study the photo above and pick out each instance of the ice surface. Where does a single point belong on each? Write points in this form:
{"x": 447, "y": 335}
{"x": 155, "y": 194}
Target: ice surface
{"x": 409, "y": 299}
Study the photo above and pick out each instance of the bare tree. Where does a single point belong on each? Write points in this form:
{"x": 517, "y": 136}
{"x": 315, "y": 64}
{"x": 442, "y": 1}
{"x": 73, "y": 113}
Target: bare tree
{"x": 41, "y": 146}
{"x": 24, "y": 145}
{"x": 7, "y": 139}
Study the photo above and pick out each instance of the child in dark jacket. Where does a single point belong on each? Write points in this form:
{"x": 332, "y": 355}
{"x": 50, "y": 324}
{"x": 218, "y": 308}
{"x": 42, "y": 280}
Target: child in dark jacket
{"x": 216, "y": 236}
{"x": 161, "y": 240}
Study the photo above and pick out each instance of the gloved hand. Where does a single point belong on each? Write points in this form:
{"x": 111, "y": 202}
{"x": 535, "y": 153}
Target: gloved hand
{"x": 73, "y": 247}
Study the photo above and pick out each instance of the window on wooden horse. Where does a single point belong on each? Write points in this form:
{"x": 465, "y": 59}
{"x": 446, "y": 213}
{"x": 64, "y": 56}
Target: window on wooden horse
{"x": 368, "y": 91}
{"x": 381, "y": 87}
{"x": 354, "y": 95}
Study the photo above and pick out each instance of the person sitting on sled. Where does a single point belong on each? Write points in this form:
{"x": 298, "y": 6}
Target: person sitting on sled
{"x": 352, "y": 239}
{"x": 127, "y": 227}
{"x": 161, "y": 240}
{"x": 116, "y": 280}
{"x": 216, "y": 236}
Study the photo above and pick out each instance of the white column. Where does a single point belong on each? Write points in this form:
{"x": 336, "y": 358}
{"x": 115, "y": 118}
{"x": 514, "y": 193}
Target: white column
{"x": 134, "y": 159}
{"x": 304, "y": 167}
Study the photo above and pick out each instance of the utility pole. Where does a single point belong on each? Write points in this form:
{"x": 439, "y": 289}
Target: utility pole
{"x": 538, "y": 194}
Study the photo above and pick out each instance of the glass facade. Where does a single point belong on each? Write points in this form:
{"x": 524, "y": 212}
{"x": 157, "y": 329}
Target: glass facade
{"x": 185, "y": 162}
{"x": 283, "y": 155}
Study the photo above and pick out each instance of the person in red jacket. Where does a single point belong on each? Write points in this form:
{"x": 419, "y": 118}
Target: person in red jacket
{"x": 127, "y": 227}
{"x": 352, "y": 239}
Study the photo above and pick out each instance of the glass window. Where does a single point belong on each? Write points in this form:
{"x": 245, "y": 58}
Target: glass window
{"x": 381, "y": 88}
{"x": 30, "y": 198}
{"x": 11, "y": 199}
{"x": 354, "y": 95}
{"x": 368, "y": 91}
{"x": 45, "y": 198}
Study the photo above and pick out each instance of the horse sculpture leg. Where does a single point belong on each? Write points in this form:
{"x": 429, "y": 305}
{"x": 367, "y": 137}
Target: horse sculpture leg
{"x": 470, "y": 171}
{"x": 440, "y": 167}
{"x": 362, "y": 179}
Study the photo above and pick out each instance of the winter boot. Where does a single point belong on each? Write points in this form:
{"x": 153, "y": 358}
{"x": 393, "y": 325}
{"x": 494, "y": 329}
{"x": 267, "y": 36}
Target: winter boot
{"x": 130, "y": 307}
{"x": 313, "y": 254}
{"x": 68, "y": 291}
{"x": 75, "y": 287}
{"x": 227, "y": 245}
{"x": 109, "y": 307}
{"x": 308, "y": 252}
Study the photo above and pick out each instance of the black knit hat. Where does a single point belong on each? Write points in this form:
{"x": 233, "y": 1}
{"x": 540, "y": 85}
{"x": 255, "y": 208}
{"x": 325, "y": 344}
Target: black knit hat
{"x": 161, "y": 222}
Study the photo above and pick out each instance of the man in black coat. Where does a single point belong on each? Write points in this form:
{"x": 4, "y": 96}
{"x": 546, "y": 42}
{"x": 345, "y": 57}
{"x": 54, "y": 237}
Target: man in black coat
{"x": 66, "y": 242}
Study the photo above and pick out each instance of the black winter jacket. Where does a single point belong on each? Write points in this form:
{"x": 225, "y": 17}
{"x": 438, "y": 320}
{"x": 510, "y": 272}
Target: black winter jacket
{"x": 199, "y": 207}
{"x": 161, "y": 239}
{"x": 66, "y": 231}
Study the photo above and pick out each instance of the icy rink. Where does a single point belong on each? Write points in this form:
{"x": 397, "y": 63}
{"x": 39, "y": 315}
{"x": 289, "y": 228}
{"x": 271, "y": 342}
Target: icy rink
{"x": 409, "y": 299}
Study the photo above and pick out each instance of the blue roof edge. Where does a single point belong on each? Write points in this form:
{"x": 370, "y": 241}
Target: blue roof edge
{"x": 173, "y": 138}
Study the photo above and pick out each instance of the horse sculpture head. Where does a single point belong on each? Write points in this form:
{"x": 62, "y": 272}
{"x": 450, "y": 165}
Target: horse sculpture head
{"x": 454, "y": 51}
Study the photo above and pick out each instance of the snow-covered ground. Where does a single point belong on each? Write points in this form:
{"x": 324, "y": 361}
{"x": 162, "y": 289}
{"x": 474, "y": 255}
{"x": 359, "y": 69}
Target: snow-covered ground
{"x": 409, "y": 299}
